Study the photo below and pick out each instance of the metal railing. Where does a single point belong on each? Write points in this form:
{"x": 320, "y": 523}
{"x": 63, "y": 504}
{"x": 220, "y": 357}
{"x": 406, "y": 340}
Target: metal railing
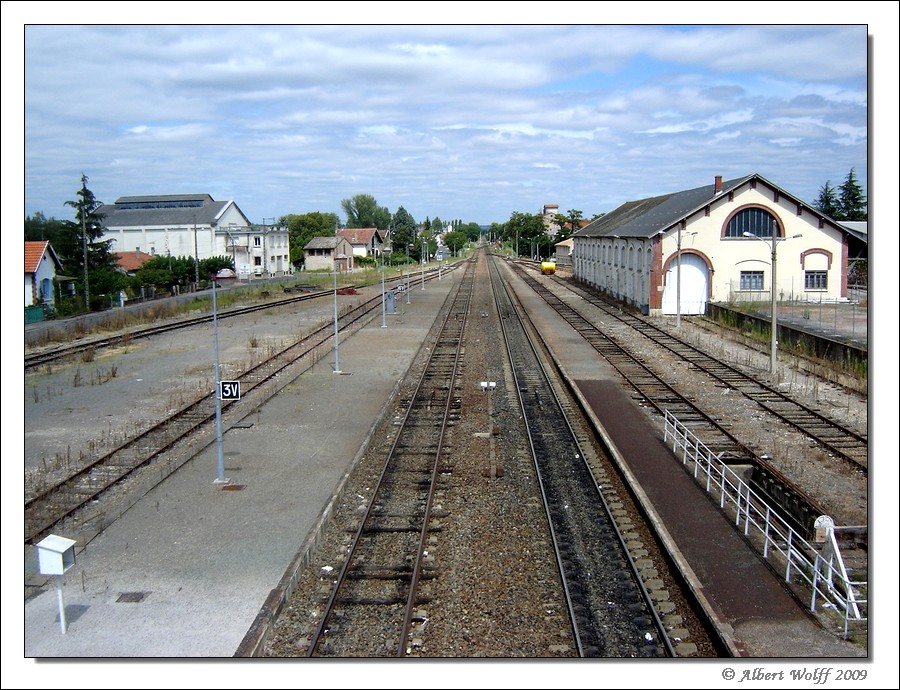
{"x": 822, "y": 568}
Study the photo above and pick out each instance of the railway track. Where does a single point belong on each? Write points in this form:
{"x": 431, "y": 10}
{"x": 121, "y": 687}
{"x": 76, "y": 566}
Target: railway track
{"x": 36, "y": 359}
{"x": 377, "y": 585}
{"x": 799, "y": 507}
{"x": 85, "y": 486}
{"x": 830, "y": 434}
{"x": 612, "y": 613}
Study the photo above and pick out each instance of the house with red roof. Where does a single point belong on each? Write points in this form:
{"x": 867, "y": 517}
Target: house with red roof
{"x": 129, "y": 262}
{"x": 365, "y": 241}
{"x": 42, "y": 268}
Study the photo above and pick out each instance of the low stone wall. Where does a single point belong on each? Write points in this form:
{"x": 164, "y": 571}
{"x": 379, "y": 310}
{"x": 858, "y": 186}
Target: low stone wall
{"x": 795, "y": 340}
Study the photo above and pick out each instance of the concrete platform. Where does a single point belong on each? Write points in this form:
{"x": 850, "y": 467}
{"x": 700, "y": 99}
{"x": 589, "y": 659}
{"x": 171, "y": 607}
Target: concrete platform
{"x": 184, "y": 572}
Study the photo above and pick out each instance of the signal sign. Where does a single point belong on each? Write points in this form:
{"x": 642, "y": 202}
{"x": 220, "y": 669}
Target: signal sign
{"x": 229, "y": 390}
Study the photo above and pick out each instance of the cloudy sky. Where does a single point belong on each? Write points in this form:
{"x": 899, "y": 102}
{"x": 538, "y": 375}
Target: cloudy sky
{"x": 469, "y": 122}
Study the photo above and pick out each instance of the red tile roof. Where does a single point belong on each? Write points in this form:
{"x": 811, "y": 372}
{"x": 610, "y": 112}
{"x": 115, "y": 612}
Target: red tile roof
{"x": 34, "y": 252}
{"x": 131, "y": 261}
{"x": 358, "y": 235}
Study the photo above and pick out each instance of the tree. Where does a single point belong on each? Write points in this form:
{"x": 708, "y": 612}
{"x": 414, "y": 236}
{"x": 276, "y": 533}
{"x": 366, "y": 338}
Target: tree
{"x": 568, "y": 224}
{"x": 39, "y": 228}
{"x": 828, "y": 202}
{"x": 527, "y": 233}
{"x": 852, "y": 201}
{"x": 404, "y": 231}
{"x": 455, "y": 240}
{"x": 363, "y": 212}
{"x": 302, "y": 228}
{"x": 82, "y": 251}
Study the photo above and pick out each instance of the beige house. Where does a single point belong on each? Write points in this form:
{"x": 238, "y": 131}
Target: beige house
{"x": 328, "y": 253}
{"x": 719, "y": 239}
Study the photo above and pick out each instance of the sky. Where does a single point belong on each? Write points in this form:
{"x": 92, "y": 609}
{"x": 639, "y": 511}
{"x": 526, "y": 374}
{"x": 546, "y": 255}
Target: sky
{"x": 467, "y": 122}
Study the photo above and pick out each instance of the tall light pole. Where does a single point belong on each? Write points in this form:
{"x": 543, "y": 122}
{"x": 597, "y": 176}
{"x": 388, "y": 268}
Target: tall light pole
{"x": 408, "y": 245}
{"x": 196, "y": 256}
{"x": 84, "y": 243}
{"x": 383, "y": 305}
{"x": 774, "y": 340}
{"x": 337, "y": 362}
{"x": 678, "y": 280}
{"x": 220, "y": 462}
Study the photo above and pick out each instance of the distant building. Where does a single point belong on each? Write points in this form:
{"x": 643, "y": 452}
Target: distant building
{"x": 328, "y": 253}
{"x": 549, "y": 213}
{"x": 365, "y": 241}
{"x": 723, "y": 235}
{"x": 196, "y": 225}
{"x": 129, "y": 262}
{"x": 564, "y": 252}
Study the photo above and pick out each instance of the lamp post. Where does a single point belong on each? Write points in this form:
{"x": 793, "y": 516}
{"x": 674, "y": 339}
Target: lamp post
{"x": 408, "y": 245}
{"x": 383, "y": 305}
{"x": 678, "y": 280}
{"x": 337, "y": 362}
{"x": 220, "y": 462}
{"x": 424, "y": 249}
{"x": 774, "y": 328}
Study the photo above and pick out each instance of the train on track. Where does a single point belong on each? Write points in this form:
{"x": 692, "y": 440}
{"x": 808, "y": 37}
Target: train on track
{"x": 548, "y": 268}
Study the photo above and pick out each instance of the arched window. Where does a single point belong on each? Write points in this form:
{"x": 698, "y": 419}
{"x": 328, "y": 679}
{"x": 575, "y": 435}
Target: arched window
{"x": 757, "y": 221}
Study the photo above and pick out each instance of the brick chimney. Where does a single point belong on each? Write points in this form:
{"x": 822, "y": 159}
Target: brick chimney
{"x": 718, "y": 184}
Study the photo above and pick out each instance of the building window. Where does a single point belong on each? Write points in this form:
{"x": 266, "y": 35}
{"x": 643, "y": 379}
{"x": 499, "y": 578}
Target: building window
{"x": 257, "y": 261}
{"x": 257, "y": 241}
{"x": 751, "y": 280}
{"x": 756, "y": 221}
{"x": 816, "y": 280}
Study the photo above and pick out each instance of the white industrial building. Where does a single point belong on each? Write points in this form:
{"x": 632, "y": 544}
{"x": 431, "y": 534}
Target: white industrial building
{"x": 196, "y": 225}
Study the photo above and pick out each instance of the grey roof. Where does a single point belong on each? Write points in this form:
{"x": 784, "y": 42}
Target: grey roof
{"x": 163, "y": 210}
{"x": 857, "y": 228}
{"x": 328, "y": 242}
{"x": 647, "y": 217}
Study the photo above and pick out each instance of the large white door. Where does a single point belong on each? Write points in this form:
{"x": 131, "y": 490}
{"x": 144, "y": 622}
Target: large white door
{"x": 694, "y": 286}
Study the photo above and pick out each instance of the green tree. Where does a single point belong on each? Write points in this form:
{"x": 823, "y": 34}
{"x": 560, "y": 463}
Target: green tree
{"x": 472, "y": 231}
{"x": 303, "y": 227}
{"x": 455, "y": 240}
{"x": 568, "y": 224}
{"x": 528, "y": 233}
{"x": 403, "y": 233}
{"x": 852, "y": 201}
{"x": 212, "y": 265}
{"x": 828, "y": 202}
{"x": 84, "y": 254}
{"x": 39, "y": 228}
{"x": 363, "y": 212}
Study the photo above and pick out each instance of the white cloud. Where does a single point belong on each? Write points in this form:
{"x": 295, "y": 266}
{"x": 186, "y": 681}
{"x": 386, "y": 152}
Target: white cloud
{"x": 291, "y": 119}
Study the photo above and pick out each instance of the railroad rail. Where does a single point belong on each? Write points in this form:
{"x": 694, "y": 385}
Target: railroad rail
{"x": 612, "y": 613}
{"x": 56, "y": 502}
{"x": 36, "y": 359}
{"x": 377, "y": 586}
{"x": 843, "y": 442}
{"x": 800, "y": 508}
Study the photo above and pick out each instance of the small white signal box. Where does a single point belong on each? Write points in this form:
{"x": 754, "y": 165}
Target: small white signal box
{"x": 55, "y": 555}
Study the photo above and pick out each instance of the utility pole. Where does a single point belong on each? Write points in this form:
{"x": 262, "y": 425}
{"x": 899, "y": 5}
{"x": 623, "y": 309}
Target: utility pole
{"x": 87, "y": 304}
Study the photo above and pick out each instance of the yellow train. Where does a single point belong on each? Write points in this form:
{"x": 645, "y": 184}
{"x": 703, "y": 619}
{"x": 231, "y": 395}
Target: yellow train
{"x": 548, "y": 268}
